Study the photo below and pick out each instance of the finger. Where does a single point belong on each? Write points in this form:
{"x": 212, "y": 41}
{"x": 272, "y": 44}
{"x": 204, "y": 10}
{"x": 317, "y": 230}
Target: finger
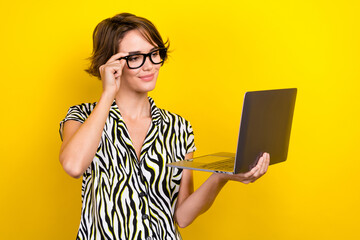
{"x": 114, "y": 67}
{"x": 117, "y": 74}
{"x": 268, "y": 162}
{"x": 261, "y": 160}
{"x": 121, "y": 66}
{"x": 264, "y": 164}
{"x": 260, "y": 163}
{"x": 248, "y": 174}
{"x": 260, "y": 168}
{"x": 255, "y": 173}
{"x": 116, "y": 57}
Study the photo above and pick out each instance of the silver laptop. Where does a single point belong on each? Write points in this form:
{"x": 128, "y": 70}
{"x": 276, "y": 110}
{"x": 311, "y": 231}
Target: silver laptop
{"x": 265, "y": 127}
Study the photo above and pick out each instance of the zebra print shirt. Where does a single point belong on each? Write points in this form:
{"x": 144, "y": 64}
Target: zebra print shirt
{"x": 123, "y": 198}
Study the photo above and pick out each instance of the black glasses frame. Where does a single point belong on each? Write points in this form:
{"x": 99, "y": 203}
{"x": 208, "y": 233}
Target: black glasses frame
{"x": 162, "y": 56}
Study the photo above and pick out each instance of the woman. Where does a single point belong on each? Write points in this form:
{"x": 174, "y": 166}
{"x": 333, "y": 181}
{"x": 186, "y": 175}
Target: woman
{"x": 121, "y": 144}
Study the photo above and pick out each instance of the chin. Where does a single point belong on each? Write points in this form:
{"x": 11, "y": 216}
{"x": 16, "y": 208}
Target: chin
{"x": 148, "y": 87}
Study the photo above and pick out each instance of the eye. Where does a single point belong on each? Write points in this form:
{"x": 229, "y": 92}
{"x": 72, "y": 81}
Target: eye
{"x": 133, "y": 58}
{"x": 155, "y": 53}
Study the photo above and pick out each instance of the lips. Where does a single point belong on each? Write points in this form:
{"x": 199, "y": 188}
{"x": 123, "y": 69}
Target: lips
{"x": 147, "y": 78}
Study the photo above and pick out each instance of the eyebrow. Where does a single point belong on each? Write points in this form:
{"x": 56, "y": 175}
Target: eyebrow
{"x": 138, "y": 52}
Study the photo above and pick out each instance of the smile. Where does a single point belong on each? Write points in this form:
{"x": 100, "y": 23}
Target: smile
{"x": 147, "y": 77}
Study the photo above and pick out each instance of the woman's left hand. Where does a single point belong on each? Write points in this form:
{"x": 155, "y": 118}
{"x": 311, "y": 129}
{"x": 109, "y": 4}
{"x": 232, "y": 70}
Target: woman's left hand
{"x": 252, "y": 175}
{"x": 191, "y": 204}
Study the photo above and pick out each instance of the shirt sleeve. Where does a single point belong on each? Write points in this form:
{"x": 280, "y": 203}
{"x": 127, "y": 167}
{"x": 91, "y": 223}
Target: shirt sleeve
{"x": 78, "y": 113}
{"x": 190, "y": 142}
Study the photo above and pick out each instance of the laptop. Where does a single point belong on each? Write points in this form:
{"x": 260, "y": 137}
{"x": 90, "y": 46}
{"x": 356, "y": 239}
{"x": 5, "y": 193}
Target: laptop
{"x": 265, "y": 127}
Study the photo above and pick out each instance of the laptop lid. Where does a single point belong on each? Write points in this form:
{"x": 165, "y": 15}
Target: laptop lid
{"x": 265, "y": 127}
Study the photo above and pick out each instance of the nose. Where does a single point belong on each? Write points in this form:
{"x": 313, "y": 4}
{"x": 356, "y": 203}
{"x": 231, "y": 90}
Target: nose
{"x": 148, "y": 65}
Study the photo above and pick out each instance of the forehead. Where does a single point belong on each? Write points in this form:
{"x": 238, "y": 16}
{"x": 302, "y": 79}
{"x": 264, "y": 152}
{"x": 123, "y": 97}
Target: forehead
{"x": 134, "y": 41}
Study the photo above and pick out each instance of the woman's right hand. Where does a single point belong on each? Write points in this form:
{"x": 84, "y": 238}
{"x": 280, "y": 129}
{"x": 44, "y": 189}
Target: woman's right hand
{"x": 81, "y": 140}
{"x": 110, "y": 74}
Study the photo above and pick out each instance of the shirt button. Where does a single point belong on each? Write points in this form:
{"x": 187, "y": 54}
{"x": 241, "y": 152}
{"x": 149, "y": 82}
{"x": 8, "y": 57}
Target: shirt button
{"x": 142, "y": 194}
{"x": 145, "y": 217}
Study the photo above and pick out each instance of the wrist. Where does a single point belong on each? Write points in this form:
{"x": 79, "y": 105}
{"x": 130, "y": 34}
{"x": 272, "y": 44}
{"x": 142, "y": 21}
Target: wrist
{"x": 107, "y": 96}
{"x": 220, "y": 178}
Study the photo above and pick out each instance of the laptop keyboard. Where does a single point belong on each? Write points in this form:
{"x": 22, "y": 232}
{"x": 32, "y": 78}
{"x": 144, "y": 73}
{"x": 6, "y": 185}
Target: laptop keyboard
{"x": 222, "y": 164}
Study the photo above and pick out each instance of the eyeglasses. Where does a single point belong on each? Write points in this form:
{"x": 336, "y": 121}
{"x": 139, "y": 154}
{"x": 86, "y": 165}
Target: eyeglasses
{"x": 134, "y": 61}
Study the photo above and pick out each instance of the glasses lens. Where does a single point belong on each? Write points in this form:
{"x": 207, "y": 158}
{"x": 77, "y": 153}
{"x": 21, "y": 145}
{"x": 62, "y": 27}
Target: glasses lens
{"x": 156, "y": 57}
{"x": 135, "y": 61}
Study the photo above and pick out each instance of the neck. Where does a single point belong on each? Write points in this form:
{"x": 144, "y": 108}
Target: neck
{"x": 133, "y": 105}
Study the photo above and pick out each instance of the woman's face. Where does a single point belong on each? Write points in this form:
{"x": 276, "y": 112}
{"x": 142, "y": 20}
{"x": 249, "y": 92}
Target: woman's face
{"x": 142, "y": 79}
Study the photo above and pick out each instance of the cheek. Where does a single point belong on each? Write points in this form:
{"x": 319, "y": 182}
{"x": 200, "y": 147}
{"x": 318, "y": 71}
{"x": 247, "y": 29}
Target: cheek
{"x": 157, "y": 68}
{"x": 128, "y": 73}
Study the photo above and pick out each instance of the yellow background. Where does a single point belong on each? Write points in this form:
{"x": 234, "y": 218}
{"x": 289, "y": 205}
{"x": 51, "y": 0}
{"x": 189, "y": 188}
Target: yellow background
{"x": 220, "y": 49}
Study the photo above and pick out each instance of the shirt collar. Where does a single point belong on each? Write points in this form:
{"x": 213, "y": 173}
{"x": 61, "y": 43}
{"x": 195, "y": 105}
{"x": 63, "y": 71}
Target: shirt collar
{"x": 156, "y": 114}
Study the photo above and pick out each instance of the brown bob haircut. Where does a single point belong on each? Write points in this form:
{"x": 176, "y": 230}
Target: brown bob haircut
{"x": 109, "y": 33}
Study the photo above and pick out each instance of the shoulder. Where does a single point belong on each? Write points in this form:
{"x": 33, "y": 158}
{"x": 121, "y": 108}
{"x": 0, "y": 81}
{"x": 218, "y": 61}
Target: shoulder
{"x": 181, "y": 128}
{"x": 79, "y": 112}
{"x": 84, "y": 108}
{"x": 168, "y": 118}
{"x": 171, "y": 117}
{"x": 175, "y": 125}
{"x": 176, "y": 122}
